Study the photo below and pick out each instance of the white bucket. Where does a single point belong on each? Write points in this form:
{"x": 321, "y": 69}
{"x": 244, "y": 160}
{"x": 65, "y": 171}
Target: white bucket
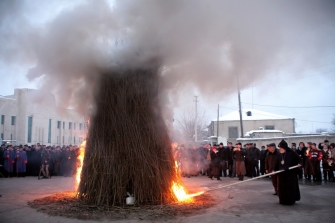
{"x": 130, "y": 200}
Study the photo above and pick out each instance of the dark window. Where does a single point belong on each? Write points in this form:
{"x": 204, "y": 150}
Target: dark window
{"x": 49, "y": 132}
{"x": 74, "y": 140}
{"x": 30, "y": 127}
{"x": 58, "y": 124}
{"x": 232, "y": 132}
{"x": 63, "y": 125}
{"x": 2, "y": 119}
{"x": 11, "y": 136}
{"x": 70, "y": 125}
{"x": 269, "y": 127}
{"x": 74, "y": 125}
{"x": 80, "y": 126}
{"x": 13, "y": 120}
{"x": 1, "y": 135}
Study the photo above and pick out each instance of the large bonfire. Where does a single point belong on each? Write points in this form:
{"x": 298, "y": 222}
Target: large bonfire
{"x": 128, "y": 150}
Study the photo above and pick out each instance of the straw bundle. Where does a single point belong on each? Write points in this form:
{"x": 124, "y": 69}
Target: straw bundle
{"x": 128, "y": 148}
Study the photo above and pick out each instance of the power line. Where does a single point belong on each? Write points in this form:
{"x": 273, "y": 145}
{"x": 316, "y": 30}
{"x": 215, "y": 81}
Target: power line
{"x": 279, "y": 106}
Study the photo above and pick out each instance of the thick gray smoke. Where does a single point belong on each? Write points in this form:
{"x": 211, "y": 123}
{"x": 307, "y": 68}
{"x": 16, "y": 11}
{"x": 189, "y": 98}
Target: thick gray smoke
{"x": 205, "y": 44}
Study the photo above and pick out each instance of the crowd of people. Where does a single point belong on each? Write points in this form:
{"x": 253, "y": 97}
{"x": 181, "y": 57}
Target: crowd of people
{"x": 38, "y": 160}
{"x": 248, "y": 160}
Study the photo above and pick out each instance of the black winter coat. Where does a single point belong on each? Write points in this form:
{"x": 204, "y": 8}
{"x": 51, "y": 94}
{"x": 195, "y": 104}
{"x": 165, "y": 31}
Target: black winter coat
{"x": 272, "y": 161}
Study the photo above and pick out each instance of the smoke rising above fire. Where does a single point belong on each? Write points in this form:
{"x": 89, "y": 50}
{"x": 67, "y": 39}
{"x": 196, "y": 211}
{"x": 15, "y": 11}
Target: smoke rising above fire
{"x": 201, "y": 44}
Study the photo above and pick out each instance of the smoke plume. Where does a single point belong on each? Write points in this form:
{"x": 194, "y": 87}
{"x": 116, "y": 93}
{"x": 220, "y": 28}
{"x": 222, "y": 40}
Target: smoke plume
{"x": 205, "y": 44}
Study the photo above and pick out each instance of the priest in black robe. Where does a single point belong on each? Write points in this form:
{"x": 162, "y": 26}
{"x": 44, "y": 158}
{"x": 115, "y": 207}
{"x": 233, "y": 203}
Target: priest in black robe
{"x": 288, "y": 186}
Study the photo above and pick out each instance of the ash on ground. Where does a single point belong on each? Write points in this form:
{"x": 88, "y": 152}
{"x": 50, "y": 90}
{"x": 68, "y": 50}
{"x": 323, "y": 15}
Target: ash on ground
{"x": 67, "y": 205}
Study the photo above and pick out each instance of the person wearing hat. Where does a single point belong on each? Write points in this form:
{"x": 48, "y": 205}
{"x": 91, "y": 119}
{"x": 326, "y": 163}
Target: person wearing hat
{"x": 9, "y": 157}
{"x": 21, "y": 161}
{"x": 272, "y": 163}
{"x": 215, "y": 161}
{"x": 287, "y": 181}
{"x": 46, "y": 159}
{"x": 239, "y": 155}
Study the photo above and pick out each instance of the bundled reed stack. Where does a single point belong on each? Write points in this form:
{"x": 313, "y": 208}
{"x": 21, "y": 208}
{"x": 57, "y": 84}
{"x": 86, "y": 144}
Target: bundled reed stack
{"x": 128, "y": 148}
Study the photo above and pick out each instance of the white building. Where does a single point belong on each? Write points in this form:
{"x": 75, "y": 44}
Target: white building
{"x": 229, "y": 125}
{"x": 29, "y": 117}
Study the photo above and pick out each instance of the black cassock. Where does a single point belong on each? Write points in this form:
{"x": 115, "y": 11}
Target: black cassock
{"x": 287, "y": 181}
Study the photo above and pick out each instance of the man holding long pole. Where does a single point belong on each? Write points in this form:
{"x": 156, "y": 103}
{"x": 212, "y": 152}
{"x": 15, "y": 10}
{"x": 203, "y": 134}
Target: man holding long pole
{"x": 287, "y": 181}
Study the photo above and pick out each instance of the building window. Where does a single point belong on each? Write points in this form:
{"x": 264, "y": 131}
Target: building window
{"x": 69, "y": 141}
{"x": 269, "y": 127}
{"x": 232, "y": 132}
{"x": 2, "y": 119}
{"x": 74, "y": 125}
{"x": 11, "y": 136}
{"x": 30, "y": 127}
{"x": 80, "y": 126}
{"x": 1, "y": 135}
{"x": 49, "y": 132}
{"x": 13, "y": 120}
{"x": 70, "y": 125}
{"x": 58, "y": 124}
{"x": 74, "y": 140}
{"x": 63, "y": 125}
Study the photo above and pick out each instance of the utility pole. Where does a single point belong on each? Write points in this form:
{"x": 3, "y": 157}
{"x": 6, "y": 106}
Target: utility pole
{"x": 239, "y": 105}
{"x": 217, "y": 124}
{"x": 252, "y": 96}
{"x": 196, "y": 119}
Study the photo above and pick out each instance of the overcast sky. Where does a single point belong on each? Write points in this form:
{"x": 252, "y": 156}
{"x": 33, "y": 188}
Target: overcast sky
{"x": 298, "y": 83}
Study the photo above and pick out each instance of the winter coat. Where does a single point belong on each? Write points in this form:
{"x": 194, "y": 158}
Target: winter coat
{"x": 21, "y": 160}
{"x": 9, "y": 157}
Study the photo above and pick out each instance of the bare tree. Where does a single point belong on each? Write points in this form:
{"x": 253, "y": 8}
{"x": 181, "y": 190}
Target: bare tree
{"x": 186, "y": 124}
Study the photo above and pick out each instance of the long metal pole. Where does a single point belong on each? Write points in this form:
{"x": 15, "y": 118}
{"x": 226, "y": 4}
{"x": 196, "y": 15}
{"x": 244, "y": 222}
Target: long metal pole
{"x": 255, "y": 178}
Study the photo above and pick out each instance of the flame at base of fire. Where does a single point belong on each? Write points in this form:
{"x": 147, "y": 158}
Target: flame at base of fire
{"x": 81, "y": 160}
{"x": 181, "y": 194}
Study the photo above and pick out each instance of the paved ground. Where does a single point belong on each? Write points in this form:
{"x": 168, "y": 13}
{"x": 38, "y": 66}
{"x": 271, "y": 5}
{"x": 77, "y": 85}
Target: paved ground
{"x": 248, "y": 202}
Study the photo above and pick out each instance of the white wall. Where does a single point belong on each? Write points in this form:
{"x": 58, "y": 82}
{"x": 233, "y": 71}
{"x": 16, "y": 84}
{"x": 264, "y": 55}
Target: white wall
{"x": 41, "y": 111}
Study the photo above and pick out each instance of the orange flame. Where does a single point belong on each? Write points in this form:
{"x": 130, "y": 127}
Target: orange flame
{"x": 179, "y": 190}
{"x": 181, "y": 193}
{"x": 81, "y": 160}
{"x": 174, "y": 145}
